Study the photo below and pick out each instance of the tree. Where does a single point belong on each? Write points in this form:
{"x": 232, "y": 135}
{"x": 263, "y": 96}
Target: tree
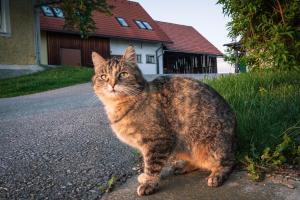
{"x": 269, "y": 31}
{"x": 78, "y": 13}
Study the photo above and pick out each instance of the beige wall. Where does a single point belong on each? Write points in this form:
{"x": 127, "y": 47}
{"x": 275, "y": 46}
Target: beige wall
{"x": 19, "y": 47}
{"x": 44, "y": 50}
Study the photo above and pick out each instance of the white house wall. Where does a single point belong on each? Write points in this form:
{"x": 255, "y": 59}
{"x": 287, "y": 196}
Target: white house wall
{"x": 224, "y": 67}
{"x": 118, "y": 46}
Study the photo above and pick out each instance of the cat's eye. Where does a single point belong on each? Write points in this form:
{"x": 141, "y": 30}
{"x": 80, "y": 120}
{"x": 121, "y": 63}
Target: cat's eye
{"x": 123, "y": 75}
{"x": 104, "y": 77}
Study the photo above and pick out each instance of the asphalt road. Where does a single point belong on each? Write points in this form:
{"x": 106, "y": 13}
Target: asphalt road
{"x": 58, "y": 145}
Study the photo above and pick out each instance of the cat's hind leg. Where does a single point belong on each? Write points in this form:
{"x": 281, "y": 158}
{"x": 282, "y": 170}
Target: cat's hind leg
{"x": 219, "y": 174}
{"x": 220, "y": 162}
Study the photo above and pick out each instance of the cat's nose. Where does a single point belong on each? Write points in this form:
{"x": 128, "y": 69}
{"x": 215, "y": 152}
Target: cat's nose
{"x": 112, "y": 83}
{"x": 112, "y": 87}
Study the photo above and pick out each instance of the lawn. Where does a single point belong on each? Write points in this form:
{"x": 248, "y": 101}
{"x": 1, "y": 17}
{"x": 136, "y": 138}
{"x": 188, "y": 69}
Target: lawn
{"x": 266, "y": 104}
{"x": 46, "y": 80}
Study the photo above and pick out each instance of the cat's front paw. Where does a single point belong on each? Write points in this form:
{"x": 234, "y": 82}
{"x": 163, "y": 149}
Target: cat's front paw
{"x": 145, "y": 178}
{"x": 147, "y": 188}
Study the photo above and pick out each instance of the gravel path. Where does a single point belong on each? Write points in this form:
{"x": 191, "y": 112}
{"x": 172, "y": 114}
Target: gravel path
{"x": 58, "y": 145}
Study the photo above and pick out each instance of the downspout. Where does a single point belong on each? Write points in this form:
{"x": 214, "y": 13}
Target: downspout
{"x": 37, "y": 33}
{"x": 157, "y": 58}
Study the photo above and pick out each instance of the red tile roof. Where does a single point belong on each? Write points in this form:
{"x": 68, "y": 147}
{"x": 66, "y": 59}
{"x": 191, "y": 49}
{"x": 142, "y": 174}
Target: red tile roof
{"x": 187, "y": 39}
{"x": 108, "y": 26}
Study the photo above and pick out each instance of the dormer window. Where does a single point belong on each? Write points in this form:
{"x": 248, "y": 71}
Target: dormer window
{"x": 52, "y": 12}
{"x": 48, "y": 12}
{"x": 58, "y": 12}
{"x": 143, "y": 25}
{"x": 140, "y": 24}
{"x": 122, "y": 21}
{"x": 147, "y": 25}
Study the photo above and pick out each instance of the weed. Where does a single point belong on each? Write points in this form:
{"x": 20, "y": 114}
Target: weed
{"x": 109, "y": 186}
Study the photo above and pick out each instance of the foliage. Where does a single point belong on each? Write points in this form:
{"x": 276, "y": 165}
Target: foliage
{"x": 137, "y": 153}
{"x": 109, "y": 186}
{"x": 78, "y": 14}
{"x": 286, "y": 152}
{"x": 266, "y": 105}
{"x": 46, "y": 80}
{"x": 269, "y": 31}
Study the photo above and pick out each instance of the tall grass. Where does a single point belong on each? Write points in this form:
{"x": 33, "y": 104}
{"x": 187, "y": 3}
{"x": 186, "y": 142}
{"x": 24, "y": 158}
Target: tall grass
{"x": 266, "y": 104}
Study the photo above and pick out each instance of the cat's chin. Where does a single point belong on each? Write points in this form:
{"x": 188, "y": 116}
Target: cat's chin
{"x": 111, "y": 95}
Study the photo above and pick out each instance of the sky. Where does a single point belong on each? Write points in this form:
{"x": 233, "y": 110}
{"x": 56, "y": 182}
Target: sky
{"x": 204, "y": 15}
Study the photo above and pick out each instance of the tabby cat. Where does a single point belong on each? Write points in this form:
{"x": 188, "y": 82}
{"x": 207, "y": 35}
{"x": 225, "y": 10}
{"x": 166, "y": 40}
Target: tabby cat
{"x": 170, "y": 117}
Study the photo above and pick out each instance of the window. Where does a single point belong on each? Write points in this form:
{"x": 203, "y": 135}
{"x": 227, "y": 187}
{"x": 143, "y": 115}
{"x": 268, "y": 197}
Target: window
{"x": 4, "y": 18}
{"x": 138, "y": 58}
{"x": 140, "y": 24}
{"x": 122, "y": 21}
{"x": 150, "y": 59}
{"x": 52, "y": 12}
{"x": 47, "y": 11}
{"x": 147, "y": 25}
{"x": 58, "y": 12}
{"x": 143, "y": 25}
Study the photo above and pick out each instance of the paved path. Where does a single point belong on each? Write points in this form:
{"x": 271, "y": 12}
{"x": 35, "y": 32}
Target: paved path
{"x": 58, "y": 144}
{"x": 193, "y": 187}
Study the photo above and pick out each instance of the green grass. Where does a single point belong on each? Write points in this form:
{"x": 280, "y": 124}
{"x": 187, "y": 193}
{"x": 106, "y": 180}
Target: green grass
{"x": 46, "y": 80}
{"x": 266, "y": 104}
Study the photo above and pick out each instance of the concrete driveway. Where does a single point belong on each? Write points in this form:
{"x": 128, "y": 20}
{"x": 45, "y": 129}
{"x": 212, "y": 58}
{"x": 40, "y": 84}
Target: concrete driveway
{"x": 58, "y": 145}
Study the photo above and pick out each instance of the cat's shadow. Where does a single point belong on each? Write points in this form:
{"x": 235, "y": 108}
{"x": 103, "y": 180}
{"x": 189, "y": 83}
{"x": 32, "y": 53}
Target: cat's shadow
{"x": 168, "y": 172}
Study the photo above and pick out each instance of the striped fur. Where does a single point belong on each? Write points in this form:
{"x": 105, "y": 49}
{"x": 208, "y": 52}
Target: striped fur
{"x": 169, "y": 118}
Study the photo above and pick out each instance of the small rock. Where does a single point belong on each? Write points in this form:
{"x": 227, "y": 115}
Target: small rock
{"x": 3, "y": 188}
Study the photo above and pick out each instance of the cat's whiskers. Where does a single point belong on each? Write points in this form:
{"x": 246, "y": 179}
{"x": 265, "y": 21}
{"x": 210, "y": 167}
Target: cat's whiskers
{"x": 130, "y": 91}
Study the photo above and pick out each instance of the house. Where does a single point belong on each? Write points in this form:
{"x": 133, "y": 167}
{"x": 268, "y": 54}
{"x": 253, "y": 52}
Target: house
{"x": 161, "y": 47}
{"x": 18, "y": 36}
{"x": 240, "y": 66}
{"x": 189, "y": 51}
{"x": 41, "y": 39}
{"x": 129, "y": 25}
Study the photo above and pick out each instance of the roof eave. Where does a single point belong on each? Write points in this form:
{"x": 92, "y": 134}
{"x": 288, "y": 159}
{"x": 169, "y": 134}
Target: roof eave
{"x": 106, "y": 36}
{"x": 191, "y": 52}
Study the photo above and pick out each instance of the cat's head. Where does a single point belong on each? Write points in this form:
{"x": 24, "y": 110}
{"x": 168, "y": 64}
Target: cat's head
{"x": 117, "y": 77}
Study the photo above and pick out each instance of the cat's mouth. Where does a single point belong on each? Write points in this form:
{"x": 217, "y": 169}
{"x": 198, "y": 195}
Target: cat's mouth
{"x": 113, "y": 92}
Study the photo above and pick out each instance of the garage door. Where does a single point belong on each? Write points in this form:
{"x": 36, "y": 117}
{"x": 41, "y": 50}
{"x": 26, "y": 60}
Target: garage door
{"x": 70, "y": 57}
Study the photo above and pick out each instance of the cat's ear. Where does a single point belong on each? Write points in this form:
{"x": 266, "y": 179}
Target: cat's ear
{"x": 98, "y": 61}
{"x": 129, "y": 55}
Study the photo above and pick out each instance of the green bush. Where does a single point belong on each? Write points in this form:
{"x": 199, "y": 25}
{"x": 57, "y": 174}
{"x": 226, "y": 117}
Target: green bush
{"x": 269, "y": 32}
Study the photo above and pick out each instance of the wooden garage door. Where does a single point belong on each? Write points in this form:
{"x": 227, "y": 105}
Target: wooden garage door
{"x": 70, "y": 57}
{"x": 58, "y": 41}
